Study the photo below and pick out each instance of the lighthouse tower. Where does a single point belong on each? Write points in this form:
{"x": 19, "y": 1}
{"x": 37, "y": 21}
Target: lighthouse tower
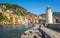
{"x": 49, "y": 18}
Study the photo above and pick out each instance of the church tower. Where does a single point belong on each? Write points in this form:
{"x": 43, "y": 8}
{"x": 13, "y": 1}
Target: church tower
{"x": 49, "y": 18}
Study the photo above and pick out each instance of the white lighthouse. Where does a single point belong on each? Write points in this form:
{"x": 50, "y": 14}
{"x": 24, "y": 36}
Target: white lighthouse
{"x": 49, "y": 18}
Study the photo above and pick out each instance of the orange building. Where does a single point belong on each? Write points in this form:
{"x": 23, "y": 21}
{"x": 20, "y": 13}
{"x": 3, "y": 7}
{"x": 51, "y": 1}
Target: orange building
{"x": 42, "y": 21}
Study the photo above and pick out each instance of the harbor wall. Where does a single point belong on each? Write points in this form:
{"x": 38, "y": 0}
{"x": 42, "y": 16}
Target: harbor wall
{"x": 54, "y": 26}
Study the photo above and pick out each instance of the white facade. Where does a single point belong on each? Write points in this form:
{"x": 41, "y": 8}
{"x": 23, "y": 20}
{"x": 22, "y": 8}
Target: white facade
{"x": 49, "y": 18}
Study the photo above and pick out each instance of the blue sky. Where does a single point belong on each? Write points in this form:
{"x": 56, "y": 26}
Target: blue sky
{"x": 36, "y": 6}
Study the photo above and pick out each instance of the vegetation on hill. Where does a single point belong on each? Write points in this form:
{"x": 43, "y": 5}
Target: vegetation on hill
{"x": 16, "y": 9}
{"x": 20, "y": 11}
{"x": 4, "y": 18}
{"x": 1, "y": 17}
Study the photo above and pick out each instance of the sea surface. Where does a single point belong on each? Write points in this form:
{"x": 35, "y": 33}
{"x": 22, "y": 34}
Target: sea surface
{"x": 11, "y": 31}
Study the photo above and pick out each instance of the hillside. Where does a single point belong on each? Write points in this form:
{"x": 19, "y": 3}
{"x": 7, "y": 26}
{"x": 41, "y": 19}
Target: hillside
{"x": 16, "y": 9}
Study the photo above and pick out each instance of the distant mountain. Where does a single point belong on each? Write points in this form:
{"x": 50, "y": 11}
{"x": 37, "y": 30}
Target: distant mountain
{"x": 43, "y": 15}
{"x": 55, "y": 14}
{"x": 16, "y": 9}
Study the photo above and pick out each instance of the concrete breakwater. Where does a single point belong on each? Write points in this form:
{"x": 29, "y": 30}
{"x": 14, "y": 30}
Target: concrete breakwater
{"x": 32, "y": 33}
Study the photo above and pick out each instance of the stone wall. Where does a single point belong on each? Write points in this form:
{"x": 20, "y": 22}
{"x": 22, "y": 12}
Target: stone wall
{"x": 54, "y": 26}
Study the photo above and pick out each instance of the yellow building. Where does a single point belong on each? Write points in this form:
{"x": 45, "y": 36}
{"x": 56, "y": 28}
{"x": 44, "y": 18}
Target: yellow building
{"x": 5, "y": 14}
{"x": 20, "y": 20}
{"x": 15, "y": 18}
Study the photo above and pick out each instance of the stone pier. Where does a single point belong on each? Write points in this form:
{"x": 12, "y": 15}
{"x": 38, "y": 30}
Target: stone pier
{"x": 49, "y": 33}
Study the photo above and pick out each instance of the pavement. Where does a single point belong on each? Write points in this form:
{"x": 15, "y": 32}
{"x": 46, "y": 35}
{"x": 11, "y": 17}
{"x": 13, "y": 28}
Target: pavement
{"x": 51, "y": 33}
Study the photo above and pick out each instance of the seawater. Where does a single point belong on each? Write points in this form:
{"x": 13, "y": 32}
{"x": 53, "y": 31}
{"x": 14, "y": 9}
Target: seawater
{"x": 11, "y": 31}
